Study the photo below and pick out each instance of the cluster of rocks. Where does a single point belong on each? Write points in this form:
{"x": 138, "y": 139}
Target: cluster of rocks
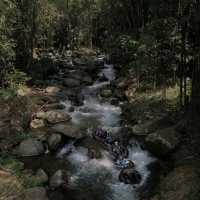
{"x": 48, "y": 130}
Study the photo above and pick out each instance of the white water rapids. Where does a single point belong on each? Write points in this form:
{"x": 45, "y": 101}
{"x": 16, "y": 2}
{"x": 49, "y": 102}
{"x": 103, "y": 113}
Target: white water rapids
{"x": 98, "y": 178}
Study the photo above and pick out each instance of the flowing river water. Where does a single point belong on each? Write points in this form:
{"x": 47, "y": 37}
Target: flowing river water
{"x": 98, "y": 178}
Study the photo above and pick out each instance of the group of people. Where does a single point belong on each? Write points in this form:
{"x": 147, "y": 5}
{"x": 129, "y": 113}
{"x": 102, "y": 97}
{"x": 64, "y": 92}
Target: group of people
{"x": 128, "y": 173}
{"x": 118, "y": 151}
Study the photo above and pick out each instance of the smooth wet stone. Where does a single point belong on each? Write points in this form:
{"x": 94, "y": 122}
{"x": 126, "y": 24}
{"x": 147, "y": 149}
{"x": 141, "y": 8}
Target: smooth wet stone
{"x": 54, "y": 141}
{"x": 130, "y": 176}
{"x": 68, "y": 129}
{"x": 37, "y": 193}
{"x": 30, "y": 147}
{"x": 59, "y": 179}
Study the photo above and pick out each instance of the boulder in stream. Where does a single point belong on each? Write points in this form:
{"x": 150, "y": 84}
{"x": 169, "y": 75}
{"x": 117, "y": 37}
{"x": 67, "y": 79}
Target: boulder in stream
{"x": 68, "y": 129}
{"x": 130, "y": 176}
{"x": 54, "y": 141}
{"x": 56, "y": 116}
{"x": 30, "y": 147}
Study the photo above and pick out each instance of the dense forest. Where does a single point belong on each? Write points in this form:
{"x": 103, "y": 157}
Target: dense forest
{"x": 117, "y": 79}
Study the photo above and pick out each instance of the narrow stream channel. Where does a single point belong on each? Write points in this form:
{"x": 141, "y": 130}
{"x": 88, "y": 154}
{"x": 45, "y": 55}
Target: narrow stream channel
{"x": 98, "y": 178}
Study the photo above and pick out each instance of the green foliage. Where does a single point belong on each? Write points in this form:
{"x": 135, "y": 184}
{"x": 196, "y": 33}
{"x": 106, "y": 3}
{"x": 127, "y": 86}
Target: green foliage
{"x": 7, "y": 94}
{"x": 16, "y": 167}
{"x": 17, "y": 79}
{"x": 11, "y": 164}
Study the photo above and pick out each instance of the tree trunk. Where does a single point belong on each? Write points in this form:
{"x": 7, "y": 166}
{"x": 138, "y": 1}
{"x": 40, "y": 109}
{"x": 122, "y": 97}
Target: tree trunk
{"x": 195, "y": 101}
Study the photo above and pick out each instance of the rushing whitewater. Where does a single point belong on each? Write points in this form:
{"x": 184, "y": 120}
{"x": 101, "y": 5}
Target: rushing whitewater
{"x": 98, "y": 178}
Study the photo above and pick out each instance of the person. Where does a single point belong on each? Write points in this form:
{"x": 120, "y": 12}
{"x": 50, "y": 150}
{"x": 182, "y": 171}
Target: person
{"x": 116, "y": 151}
{"x": 119, "y": 151}
{"x": 124, "y": 164}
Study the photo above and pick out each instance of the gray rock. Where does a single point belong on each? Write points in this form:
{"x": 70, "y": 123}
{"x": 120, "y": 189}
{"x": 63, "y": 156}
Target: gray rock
{"x": 37, "y": 193}
{"x": 130, "y": 176}
{"x": 70, "y": 82}
{"x": 59, "y": 179}
{"x": 68, "y": 129}
{"x": 30, "y": 147}
{"x": 42, "y": 176}
{"x": 54, "y": 140}
{"x": 162, "y": 142}
{"x": 55, "y": 116}
{"x": 150, "y": 126}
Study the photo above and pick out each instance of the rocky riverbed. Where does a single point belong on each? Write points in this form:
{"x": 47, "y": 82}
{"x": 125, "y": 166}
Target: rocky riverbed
{"x": 69, "y": 158}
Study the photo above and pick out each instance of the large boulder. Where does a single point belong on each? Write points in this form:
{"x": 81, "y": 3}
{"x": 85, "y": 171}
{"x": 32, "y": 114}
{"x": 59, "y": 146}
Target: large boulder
{"x": 54, "y": 141}
{"x": 37, "y": 193}
{"x": 130, "y": 176}
{"x": 59, "y": 179}
{"x": 70, "y": 82}
{"x": 150, "y": 126}
{"x": 55, "y": 116}
{"x": 162, "y": 142}
{"x": 68, "y": 129}
{"x": 30, "y": 147}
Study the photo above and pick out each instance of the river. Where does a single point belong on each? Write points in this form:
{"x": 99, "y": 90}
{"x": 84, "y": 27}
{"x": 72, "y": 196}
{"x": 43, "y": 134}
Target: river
{"x": 98, "y": 178}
